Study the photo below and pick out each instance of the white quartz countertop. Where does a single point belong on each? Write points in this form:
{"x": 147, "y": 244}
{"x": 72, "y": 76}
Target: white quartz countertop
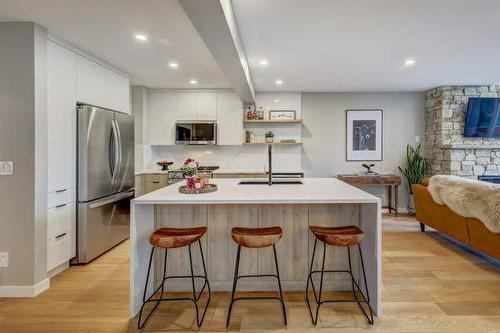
{"x": 313, "y": 190}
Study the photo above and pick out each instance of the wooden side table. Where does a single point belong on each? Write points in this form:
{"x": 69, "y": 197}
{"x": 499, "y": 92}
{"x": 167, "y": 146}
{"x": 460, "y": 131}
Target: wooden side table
{"x": 389, "y": 181}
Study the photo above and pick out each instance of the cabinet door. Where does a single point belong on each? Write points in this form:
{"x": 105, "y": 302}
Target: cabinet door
{"x": 186, "y": 106}
{"x": 61, "y": 117}
{"x": 162, "y": 116}
{"x": 92, "y": 79}
{"x": 229, "y": 119}
{"x": 206, "y": 108}
{"x": 117, "y": 92}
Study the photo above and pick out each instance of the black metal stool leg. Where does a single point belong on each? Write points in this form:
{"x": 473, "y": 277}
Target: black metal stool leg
{"x": 144, "y": 300}
{"x": 279, "y": 284}
{"x": 352, "y": 276}
{"x": 309, "y": 278}
{"x": 370, "y": 320}
{"x": 235, "y": 280}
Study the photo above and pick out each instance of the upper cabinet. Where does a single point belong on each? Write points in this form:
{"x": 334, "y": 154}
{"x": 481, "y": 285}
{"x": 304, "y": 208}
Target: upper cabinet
{"x": 229, "y": 119}
{"x": 196, "y": 106}
{"x": 117, "y": 92}
{"x": 162, "y": 117}
{"x": 100, "y": 86}
{"x": 186, "y": 106}
{"x": 61, "y": 116}
{"x": 206, "y": 106}
{"x": 91, "y": 84}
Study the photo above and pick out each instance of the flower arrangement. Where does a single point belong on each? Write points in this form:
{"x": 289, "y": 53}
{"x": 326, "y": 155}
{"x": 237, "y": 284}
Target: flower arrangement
{"x": 190, "y": 167}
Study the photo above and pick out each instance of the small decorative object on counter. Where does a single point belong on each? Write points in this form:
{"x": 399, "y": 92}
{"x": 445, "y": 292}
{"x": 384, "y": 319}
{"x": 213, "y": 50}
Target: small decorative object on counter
{"x": 208, "y": 188}
{"x": 164, "y": 164}
{"x": 247, "y": 136}
{"x": 269, "y": 137}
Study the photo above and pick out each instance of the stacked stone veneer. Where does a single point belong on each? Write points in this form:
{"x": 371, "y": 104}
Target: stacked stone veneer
{"x": 446, "y": 149}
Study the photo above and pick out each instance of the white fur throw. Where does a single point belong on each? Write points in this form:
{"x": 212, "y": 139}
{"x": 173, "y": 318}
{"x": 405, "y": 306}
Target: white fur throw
{"x": 468, "y": 198}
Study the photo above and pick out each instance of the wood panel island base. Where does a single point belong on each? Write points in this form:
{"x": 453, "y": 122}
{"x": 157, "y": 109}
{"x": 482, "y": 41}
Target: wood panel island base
{"x": 318, "y": 201}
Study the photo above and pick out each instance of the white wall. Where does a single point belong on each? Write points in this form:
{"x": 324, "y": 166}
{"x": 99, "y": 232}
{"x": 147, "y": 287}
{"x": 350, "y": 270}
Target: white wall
{"x": 324, "y": 131}
{"x": 23, "y": 140}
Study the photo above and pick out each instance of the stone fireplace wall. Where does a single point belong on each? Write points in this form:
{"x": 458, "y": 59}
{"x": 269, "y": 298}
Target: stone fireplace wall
{"x": 446, "y": 149}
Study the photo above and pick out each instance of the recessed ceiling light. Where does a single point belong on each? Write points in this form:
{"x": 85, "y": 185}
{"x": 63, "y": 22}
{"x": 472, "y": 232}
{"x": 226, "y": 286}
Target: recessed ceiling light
{"x": 141, "y": 37}
{"x": 263, "y": 62}
{"x": 173, "y": 65}
{"x": 410, "y": 62}
{"x": 276, "y": 101}
{"x": 193, "y": 81}
{"x": 279, "y": 82}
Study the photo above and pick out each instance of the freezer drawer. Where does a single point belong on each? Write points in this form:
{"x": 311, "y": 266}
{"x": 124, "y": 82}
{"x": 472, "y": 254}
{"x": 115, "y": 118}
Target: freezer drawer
{"x": 102, "y": 224}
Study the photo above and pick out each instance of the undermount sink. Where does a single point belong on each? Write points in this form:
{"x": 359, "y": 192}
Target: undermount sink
{"x": 282, "y": 181}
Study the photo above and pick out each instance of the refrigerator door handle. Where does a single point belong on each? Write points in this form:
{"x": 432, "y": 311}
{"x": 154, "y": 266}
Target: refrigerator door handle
{"x": 112, "y": 199}
{"x": 116, "y": 162}
{"x": 119, "y": 141}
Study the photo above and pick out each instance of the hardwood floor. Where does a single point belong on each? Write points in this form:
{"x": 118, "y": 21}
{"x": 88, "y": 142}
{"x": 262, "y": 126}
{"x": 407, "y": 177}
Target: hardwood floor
{"x": 429, "y": 285}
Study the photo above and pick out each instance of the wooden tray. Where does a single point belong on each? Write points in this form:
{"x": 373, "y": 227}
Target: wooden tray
{"x": 207, "y": 189}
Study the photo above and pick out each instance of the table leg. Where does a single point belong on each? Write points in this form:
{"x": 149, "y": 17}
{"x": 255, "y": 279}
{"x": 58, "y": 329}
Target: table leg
{"x": 389, "y": 198}
{"x": 396, "y": 200}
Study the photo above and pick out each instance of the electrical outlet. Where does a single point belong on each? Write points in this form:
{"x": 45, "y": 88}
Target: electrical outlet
{"x": 4, "y": 259}
{"x": 417, "y": 139}
{"x": 6, "y": 168}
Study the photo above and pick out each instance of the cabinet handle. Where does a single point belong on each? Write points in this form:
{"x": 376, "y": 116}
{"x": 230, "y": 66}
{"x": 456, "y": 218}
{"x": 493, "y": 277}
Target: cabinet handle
{"x": 59, "y": 206}
{"x": 156, "y": 182}
{"x": 61, "y": 235}
{"x": 61, "y": 191}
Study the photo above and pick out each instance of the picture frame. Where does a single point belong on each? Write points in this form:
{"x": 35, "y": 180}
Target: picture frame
{"x": 364, "y": 134}
{"x": 282, "y": 115}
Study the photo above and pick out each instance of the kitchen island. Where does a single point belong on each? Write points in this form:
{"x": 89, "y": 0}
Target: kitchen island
{"x": 318, "y": 201}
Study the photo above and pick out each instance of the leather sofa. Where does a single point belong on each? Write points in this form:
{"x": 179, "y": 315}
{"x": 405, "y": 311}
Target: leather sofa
{"x": 469, "y": 231}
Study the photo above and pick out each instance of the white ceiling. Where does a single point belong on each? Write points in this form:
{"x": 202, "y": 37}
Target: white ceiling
{"x": 362, "y": 45}
{"x": 106, "y": 29}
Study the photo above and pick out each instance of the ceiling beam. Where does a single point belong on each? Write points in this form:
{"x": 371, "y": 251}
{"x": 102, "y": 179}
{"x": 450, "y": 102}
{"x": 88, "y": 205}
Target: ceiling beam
{"x": 215, "y": 22}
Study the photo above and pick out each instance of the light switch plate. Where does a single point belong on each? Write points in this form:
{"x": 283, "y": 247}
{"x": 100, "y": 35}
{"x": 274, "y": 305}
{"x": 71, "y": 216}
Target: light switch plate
{"x": 4, "y": 259}
{"x": 6, "y": 168}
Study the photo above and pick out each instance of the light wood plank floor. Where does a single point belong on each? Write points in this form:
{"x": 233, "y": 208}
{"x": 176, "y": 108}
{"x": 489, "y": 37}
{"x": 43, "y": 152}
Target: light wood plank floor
{"x": 429, "y": 285}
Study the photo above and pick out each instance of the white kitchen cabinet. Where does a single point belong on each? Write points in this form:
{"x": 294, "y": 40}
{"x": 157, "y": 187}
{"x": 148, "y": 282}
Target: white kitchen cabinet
{"x": 117, "y": 92}
{"x": 92, "y": 78}
{"x": 162, "y": 116}
{"x": 186, "y": 106}
{"x": 229, "y": 119}
{"x": 206, "y": 106}
{"x": 102, "y": 87}
{"x": 61, "y": 234}
{"x": 61, "y": 117}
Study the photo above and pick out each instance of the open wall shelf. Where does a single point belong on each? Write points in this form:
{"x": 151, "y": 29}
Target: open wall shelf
{"x": 269, "y": 121}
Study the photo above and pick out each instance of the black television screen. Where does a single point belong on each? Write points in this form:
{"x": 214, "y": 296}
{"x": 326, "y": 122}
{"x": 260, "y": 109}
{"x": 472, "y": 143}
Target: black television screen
{"x": 483, "y": 117}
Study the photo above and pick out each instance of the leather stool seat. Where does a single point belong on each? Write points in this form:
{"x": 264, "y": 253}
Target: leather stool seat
{"x": 256, "y": 237}
{"x": 169, "y": 238}
{"x": 338, "y": 236}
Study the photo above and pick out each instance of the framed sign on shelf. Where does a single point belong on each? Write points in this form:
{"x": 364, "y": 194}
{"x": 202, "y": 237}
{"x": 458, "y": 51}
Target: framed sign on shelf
{"x": 282, "y": 115}
{"x": 364, "y": 135}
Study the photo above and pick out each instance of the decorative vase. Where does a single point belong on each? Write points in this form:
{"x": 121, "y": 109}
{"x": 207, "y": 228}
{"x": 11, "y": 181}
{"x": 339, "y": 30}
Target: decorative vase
{"x": 190, "y": 182}
{"x": 269, "y": 139}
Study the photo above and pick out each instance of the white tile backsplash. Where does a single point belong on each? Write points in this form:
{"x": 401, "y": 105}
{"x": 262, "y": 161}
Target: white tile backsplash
{"x": 285, "y": 158}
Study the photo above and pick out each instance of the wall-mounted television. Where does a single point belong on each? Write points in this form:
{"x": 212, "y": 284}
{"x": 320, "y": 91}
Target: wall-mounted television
{"x": 483, "y": 117}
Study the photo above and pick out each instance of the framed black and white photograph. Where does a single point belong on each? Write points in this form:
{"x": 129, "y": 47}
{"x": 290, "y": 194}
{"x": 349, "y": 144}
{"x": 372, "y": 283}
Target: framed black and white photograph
{"x": 364, "y": 135}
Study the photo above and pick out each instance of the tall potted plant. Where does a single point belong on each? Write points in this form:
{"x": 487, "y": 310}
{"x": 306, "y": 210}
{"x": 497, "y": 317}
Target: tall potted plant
{"x": 415, "y": 172}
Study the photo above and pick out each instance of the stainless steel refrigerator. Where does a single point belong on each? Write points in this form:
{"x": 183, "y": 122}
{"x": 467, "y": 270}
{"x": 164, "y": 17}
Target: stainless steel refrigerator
{"x": 105, "y": 180}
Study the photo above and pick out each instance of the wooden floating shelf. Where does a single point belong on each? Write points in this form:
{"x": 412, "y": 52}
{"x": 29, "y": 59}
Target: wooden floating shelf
{"x": 274, "y": 143}
{"x": 270, "y": 121}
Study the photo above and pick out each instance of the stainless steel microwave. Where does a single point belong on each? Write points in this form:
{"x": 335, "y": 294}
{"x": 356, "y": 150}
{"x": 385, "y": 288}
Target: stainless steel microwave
{"x": 196, "y": 133}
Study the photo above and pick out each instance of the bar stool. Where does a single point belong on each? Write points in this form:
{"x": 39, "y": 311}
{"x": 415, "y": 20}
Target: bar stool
{"x": 343, "y": 237}
{"x": 169, "y": 238}
{"x": 256, "y": 238}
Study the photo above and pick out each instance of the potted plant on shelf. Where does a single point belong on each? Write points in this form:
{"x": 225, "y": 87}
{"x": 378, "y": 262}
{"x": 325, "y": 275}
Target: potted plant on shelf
{"x": 190, "y": 169}
{"x": 414, "y": 172}
{"x": 269, "y": 137}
